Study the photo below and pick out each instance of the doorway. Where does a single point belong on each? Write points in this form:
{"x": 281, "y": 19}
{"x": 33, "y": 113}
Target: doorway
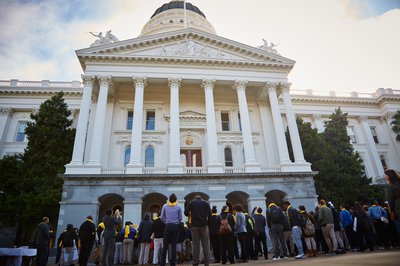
{"x": 191, "y": 158}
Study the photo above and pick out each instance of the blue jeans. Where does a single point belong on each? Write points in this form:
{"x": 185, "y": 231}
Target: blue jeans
{"x": 296, "y": 235}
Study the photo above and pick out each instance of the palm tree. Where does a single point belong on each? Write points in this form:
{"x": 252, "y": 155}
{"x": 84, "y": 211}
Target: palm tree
{"x": 396, "y": 125}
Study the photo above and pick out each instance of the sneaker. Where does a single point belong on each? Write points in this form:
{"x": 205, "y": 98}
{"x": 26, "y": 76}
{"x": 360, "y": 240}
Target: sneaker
{"x": 285, "y": 258}
{"x": 276, "y": 258}
{"x": 300, "y": 256}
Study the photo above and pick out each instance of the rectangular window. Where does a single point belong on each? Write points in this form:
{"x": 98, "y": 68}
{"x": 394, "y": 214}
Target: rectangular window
{"x": 225, "y": 121}
{"x": 129, "y": 123}
{"x": 240, "y": 122}
{"x": 374, "y": 135}
{"x": 21, "y": 137}
{"x": 352, "y": 135}
{"x": 150, "y": 120}
{"x": 383, "y": 161}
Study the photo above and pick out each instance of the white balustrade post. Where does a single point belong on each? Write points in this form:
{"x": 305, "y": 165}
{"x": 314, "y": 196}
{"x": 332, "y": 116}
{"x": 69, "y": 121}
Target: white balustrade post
{"x": 174, "y": 165}
{"x": 214, "y": 165}
{"x": 250, "y": 158}
{"x": 135, "y": 165}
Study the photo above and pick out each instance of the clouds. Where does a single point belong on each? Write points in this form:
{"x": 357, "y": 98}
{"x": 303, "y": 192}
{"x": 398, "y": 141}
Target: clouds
{"x": 335, "y": 47}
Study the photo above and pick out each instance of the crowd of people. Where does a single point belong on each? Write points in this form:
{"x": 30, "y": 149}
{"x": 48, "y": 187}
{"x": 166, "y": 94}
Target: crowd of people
{"x": 212, "y": 236}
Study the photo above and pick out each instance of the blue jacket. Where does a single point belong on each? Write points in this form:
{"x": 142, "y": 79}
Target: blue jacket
{"x": 240, "y": 226}
{"x": 345, "y": 218}
{"x": 375, "y": 212}
{"x": 131, "y": 234}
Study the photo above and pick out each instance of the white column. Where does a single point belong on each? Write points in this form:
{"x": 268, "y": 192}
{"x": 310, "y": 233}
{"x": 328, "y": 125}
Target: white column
{"x": 293, "y": 130}
{"x": 135, "y": 165}
{"x": 387, "y": 119}
{"x": 5, "y": 114}
{"x": 214, "y": 164}
{"x": 371, "y": 145}
{"x": 83, "y": 120}
{"x": 174, "y": 165}
{"x": 133, "y": 211}
{"x": 250, "y": 163}
{"x": 271, "y": 149}
{"x": 278, "y": 124}
{"x": 318, "y": 123}
{"x": 98, "y": 128}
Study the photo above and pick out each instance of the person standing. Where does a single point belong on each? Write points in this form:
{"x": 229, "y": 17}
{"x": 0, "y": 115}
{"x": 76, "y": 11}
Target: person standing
{"x": 42, "y": 240}
{"x": 346, "y": 222}
{"x": 158, "y": 229}
{"x": 128, "y": 235}
{"x": 327, "y": 225}
{"x": 200, "y": 212}
{"x": 295, "y": 224}
{"x": 87, "y": 236}
{"x": 240, "y": 230}
{"x": 275, "y": 220}
{"x": 308, "y": 231}
{"x": 144, "y": 233}
{"x": 67, "y": 239}
{"x": 171, "y": 215}
{"x": 227, "y": 238}
{"x": 213, "y": 227}
{"x": 109, "y": 234}
{"x": 260, "y": 236}
{"x": 393, "y": 196}
{"x": 364, "y": 228}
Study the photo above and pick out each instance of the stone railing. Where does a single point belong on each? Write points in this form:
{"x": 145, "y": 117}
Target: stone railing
{"x": 230, "y": 170}
{"x": 195, "y": 170}
{"x": 154, "y": 170}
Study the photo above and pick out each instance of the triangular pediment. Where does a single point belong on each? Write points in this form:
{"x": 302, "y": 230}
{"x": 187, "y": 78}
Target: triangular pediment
{"x": 185, "y": 46}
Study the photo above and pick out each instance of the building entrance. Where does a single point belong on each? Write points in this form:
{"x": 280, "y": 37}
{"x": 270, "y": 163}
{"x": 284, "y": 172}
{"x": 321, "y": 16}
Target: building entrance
{"x": 191, "y": 158}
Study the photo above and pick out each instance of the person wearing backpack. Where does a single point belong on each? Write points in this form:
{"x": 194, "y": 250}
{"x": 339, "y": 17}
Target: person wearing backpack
{"x": 296, "y": 223}
{"x": 260, "y": 236}
{"x": 308, "y": 232}
{"x": 250, "y": 224}
{"x": 226, "y": 237}
{"x": 275, "y": 220}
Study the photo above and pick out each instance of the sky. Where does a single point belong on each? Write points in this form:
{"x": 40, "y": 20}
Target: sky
{"x": 338, "y": 45}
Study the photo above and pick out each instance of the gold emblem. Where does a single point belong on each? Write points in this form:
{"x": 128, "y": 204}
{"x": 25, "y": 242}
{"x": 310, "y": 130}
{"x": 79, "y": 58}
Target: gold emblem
{"x": 189, "y": 140}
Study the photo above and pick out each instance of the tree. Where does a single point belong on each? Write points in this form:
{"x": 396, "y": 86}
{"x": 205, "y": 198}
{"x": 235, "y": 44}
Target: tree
{"x": 396, "y": 125}
{"x": 341, "y": 176}
{"x": 34, "y": 175}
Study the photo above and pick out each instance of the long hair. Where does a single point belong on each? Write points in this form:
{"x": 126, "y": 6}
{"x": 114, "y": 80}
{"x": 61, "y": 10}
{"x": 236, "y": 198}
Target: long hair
{"x": 393, "y": 177}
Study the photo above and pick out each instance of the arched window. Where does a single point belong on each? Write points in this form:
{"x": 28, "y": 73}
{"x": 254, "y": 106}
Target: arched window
{"x": 228, "y": 157}
{"x": 127, "y": 155}
{"x": 149, "y": 157}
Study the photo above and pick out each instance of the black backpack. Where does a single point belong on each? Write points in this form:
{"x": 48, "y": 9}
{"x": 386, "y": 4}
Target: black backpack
{"x": 275, "y": 214}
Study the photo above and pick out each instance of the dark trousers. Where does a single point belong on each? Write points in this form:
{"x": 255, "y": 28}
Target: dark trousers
{"x": 365, "y": 234}
{"x": 107, "y": 258}
{"x": 42, "y": 255}
{"x": 261, "y": 238}
{"x": 84, "y": 252}
{"x": 242, "y": 240}
{"x": 250, "y": 245}
{"x": 171, "y": 234}
{"x": 381, "y": 233}
{"x": 227, "y": 247}
{"x": 214, "y": 239}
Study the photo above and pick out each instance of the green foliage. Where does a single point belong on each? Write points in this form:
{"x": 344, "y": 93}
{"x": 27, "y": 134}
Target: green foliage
{"x": 396, "y": 125}
{"x": 34, "y": 181}
{"x": 341, "y": 176}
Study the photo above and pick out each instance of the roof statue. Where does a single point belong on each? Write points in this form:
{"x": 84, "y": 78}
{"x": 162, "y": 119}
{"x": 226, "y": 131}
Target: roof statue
{"x": 269, "y": 48}
{"x": 108, "y": 38}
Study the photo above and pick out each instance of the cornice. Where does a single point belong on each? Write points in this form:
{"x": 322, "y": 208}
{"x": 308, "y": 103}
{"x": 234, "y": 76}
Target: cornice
{"x": 330, "y": 100}
{"x": 30, "y": 92}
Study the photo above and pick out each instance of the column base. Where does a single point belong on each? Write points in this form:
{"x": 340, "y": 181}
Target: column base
{"x": 252, "y": 167}
{"x": 295, "y": 167}
{"x": 134, "y": 169}
{"x": 214, "y": 168}
{"x": 175, "y": 168}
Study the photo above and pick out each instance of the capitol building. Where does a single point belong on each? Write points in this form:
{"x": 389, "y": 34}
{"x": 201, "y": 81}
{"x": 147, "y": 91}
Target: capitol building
{"x": 181, "y": 110}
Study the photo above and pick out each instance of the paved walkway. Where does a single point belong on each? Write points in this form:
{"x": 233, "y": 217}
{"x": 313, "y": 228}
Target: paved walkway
{"x": 352, "y": 259}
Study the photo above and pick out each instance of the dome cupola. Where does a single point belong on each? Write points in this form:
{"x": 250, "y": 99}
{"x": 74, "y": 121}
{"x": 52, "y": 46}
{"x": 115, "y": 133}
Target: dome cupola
{"x": 171, "y": 16}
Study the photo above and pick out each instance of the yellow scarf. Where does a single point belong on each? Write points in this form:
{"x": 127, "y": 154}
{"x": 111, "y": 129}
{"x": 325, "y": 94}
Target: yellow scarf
{"x": 323, "y": 205}
{"x": 302, "y": 211}
{"x": 374, "y": 205}
{"x": 273, "y": 204}
{"x": 127, "y": 231}
{"x": 214, "y": 214}
{"x": 343, "y": 209}
{"x": 172, "y": 204}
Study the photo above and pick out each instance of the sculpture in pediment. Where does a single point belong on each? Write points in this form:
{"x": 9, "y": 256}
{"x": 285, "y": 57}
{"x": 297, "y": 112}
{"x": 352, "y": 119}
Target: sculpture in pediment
{"x": 108, "y": 38}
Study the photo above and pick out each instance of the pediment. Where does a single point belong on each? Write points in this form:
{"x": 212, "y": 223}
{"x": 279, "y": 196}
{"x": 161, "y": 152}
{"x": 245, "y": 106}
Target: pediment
{"x": 185, "y": 46}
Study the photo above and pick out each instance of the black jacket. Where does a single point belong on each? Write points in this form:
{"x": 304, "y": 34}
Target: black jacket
{"x": 214, "y": 224}
{"x": 68, "y": 237}
{"x": 158, "y": 228}
{"x": 87, "y": 231}
{"x": 42, "y": 235}
{"x": 200, "y": 212}
{"x": 231, "y": 220}
{"x": 260, "y": 222}
{"x": 145, "y": 229}
{"x": 294, "y": 217}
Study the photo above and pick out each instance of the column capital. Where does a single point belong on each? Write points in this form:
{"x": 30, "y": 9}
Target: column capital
{"x": 316, "y": 116}
{"x": 174, "y": 82}
{"x": 285, "y": 87}
{"x": 87, "y": 80}
{"x": 137, "y": 81}
{"x": 271, "y": 86}
{"x": 240, "y": 84}
{"x": 363, "y": 118}
{"x": 5, "y": 110}
{"x": 207, "y": 83}
{"x": 388, "y": 116}
{"x": 104, "y": 80}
